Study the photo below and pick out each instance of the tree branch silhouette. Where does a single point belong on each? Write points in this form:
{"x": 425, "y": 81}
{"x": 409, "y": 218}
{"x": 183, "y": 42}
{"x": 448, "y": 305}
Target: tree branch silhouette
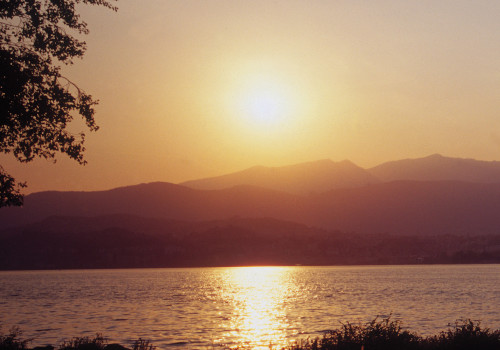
{"x": 37, "y": 103}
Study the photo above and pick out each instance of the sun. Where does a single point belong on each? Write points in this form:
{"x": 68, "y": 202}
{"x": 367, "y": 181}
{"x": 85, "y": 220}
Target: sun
{"x": 265, "y": 107}
{"x": 265, "y": 104}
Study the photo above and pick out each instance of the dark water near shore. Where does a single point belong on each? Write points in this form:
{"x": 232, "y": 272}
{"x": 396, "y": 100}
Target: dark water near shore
{"x": 255, "y": 306}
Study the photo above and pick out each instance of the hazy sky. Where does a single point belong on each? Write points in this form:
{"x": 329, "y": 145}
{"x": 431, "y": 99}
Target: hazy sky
{"x": 191, "y": 89}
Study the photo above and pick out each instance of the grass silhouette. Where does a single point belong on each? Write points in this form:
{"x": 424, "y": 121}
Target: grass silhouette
{"x": 378, "y": 334}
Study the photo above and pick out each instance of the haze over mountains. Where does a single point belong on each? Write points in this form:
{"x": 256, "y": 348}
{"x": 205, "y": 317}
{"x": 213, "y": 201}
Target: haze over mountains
{"x": 304, "y": 178}
{"x": 324, "y": 194}
{"x": 324, "y": 175}
{"x": 426, "y": 197}
{"x": 438, "y": 168}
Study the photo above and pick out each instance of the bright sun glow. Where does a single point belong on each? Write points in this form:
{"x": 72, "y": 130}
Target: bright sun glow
{"x": 266, "y": 107}
{"x": 266, "y": 104}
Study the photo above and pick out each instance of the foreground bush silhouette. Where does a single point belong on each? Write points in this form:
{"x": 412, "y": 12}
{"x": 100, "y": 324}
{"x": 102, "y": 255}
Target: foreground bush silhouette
{"x": 85, "y": 343}
{"x": 141, "y": 344}
{"x": 12, "y": 340}
{"x": 466, "y": 335}
{"x": 375, "y": 335}
{"x": 384, "y": 334}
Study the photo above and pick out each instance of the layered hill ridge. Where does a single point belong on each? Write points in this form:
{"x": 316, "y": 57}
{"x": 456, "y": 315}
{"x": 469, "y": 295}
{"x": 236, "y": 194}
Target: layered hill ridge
{"x": 400, "y": 207}
{"x": 156, "y": 200}
{"x": 324, "y": 175}
{"x": 404, "y": 198}
{"x": 436, "y": 208}
{"x": 438, "y": 168}
{"x": 303, "y": 178}
{"x": 124, "y": 241}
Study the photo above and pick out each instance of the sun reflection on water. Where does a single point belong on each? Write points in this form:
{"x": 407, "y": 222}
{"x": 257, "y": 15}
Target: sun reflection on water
{"x": 259, "y": 317}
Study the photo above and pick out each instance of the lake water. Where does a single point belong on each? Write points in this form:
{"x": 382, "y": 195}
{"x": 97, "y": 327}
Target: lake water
{"x": 250, "y": 306}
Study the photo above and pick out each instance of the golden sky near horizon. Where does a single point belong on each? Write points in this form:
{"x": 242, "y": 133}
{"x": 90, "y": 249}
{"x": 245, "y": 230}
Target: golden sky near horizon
{"x": 190, "y": 89}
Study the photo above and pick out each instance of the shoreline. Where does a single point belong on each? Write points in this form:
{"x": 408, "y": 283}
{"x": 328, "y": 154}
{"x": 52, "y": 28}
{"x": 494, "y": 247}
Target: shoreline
{"x": 245, "y": 266}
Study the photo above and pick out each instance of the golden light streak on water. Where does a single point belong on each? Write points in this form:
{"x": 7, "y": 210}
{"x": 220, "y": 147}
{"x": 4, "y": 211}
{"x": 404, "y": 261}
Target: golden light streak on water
{"x": 258, "y": 295}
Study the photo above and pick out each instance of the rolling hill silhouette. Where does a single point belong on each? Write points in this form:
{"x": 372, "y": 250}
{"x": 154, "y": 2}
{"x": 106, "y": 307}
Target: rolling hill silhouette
{"x": 435, "y": 208}
{"x": 325, "y": 175}
{"x": 400, "y": 207}
{"x": 129, "y": 241}
{"x": 159, "y": 199}
{"x": 411, "y": 207}
{"x": 303, "y": 178}
{"x": 438, "y": 168}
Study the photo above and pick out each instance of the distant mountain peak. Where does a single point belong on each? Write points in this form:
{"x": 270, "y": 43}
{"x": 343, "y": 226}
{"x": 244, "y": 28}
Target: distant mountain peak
{"x": 437, "y": 167}
{"x": 302, "y": 178}
{"x": 435, "y": 156}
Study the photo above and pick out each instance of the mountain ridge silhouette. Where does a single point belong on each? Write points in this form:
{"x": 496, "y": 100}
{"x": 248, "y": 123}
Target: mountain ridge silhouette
{"x": 397, "y": 206}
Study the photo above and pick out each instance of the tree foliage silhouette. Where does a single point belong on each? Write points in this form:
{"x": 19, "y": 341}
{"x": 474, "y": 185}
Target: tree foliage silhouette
{"x": 37, "y": 102}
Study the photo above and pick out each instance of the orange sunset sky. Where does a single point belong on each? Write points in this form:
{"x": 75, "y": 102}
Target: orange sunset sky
{"x": 191, "y": 89}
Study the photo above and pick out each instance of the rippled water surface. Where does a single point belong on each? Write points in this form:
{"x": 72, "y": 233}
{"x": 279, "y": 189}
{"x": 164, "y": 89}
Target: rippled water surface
{"x": 252, "y": 306}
